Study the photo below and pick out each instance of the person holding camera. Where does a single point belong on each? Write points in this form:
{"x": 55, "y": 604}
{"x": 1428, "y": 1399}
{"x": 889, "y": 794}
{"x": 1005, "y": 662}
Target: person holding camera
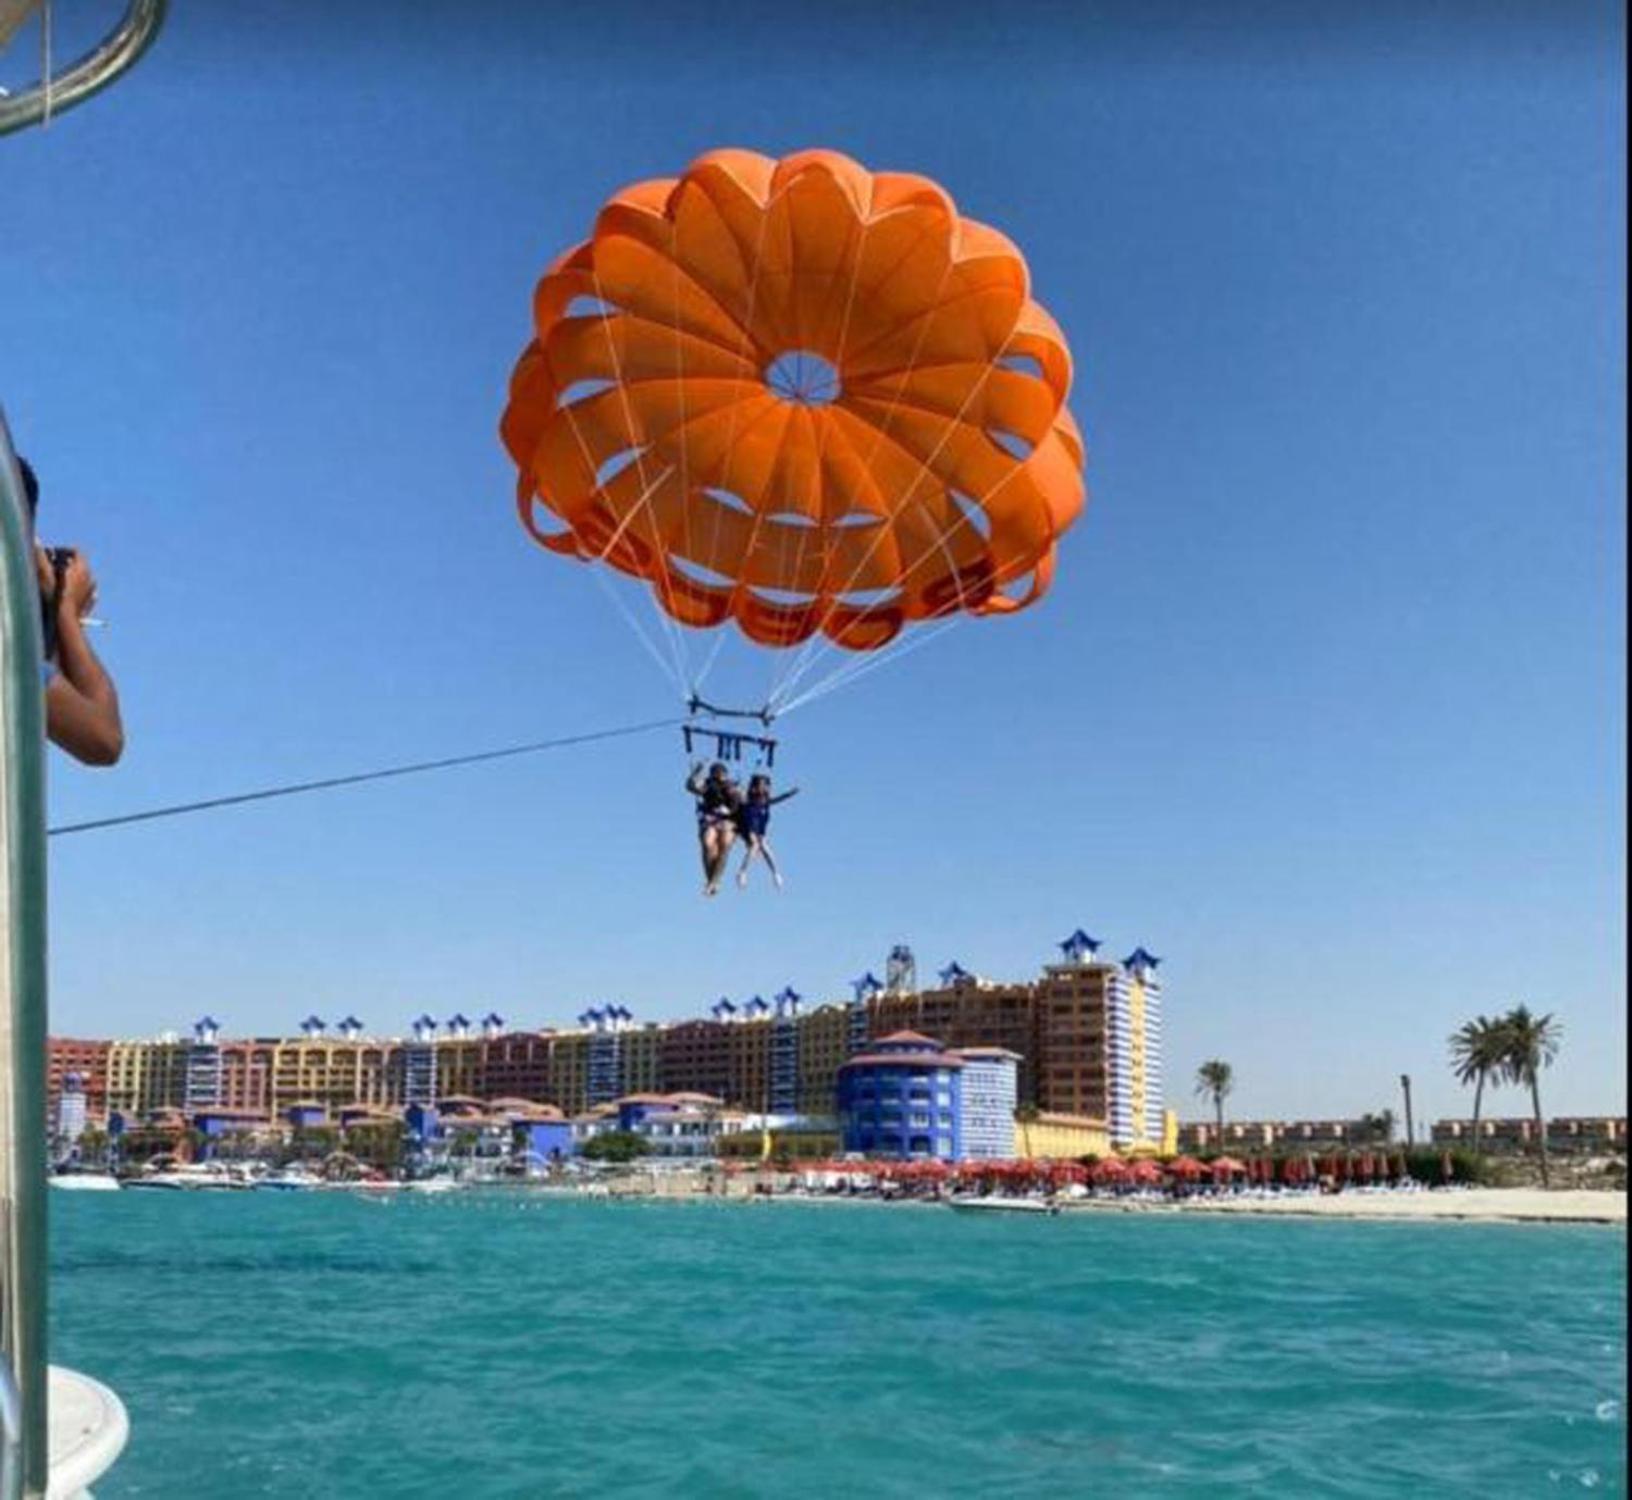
{"x": 81, "y": 702}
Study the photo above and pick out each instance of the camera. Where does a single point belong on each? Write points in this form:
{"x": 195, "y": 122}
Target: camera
{"x": 59, "y": 558}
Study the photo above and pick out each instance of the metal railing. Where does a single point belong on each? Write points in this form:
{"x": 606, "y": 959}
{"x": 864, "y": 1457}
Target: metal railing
{"x": 22, "y": 994}
{"x": 88, "y": 75}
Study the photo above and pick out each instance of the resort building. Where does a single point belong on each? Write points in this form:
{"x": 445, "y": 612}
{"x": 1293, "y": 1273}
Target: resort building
{"x": 68, "y": 1120}
{"x": 1594, "y": 1135}
{"x": 146, "y": 1076}
{"x": 1085, "y": 1039}
{"x": 1586, "y": 1135}
{"x": 988, "y": 1098}
{"x": 1288, "y": 1135}
{"x": 680, "y": 1124}
{"x": 85, "y": 1061}
{"x": 201, "y": 1078}
{"x": 1056, "y": 1137}
{"x": 902, "y": 1098}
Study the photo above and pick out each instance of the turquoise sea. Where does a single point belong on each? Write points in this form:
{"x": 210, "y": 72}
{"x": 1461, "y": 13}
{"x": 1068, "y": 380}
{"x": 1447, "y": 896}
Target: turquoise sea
{"x": 493, "y": 1344}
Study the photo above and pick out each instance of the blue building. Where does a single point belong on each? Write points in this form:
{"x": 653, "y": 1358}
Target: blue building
{"x": 903, "y": 1097}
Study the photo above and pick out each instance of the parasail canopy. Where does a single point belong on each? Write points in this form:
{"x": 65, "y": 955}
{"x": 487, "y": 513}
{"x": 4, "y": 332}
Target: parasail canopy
{"x": 801, "y": 398}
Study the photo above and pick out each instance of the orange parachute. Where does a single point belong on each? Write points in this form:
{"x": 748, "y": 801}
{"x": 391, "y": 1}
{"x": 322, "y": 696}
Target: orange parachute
{"x": 798, "y": 395}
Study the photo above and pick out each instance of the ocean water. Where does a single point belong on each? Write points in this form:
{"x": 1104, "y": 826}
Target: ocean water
{"x": 491, "y": 1344}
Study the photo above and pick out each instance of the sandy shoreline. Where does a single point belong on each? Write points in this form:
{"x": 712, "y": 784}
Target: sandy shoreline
{"x": 1471, "y": 1205}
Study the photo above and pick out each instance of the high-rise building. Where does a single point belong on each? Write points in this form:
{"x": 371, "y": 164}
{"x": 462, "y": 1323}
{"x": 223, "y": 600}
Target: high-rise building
{"x": 1084, "y": 1042}
{"x": 988, "y": 1103}
{"x": 202, "y": 1089}
{"x": 69, "y": 1123}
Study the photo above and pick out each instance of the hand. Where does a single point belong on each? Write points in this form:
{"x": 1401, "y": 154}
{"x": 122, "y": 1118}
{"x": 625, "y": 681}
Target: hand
{"x": 46, "y": 574}
{"x": 78, "y": 588}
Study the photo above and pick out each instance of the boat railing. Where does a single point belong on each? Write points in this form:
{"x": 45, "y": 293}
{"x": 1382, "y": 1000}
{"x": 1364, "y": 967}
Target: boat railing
{"x": 11, "y": 1435}
{"x": 22, "y": 982}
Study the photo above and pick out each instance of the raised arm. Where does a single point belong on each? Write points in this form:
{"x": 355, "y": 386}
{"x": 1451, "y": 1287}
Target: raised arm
{"x": 792, "y": 791}
{"x": 81, "y": 703}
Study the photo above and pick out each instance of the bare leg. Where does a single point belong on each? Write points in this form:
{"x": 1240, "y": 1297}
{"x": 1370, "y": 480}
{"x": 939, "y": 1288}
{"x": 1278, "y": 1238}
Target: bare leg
{"x": 752, "y": 842}
{"x": 711, "y": 859}
{"x": 724, "y": 836}
{"x": 770, "y": 859}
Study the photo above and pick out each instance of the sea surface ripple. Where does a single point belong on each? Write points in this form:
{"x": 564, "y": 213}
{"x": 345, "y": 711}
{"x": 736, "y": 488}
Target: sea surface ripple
{"x": 496, "y": 1344}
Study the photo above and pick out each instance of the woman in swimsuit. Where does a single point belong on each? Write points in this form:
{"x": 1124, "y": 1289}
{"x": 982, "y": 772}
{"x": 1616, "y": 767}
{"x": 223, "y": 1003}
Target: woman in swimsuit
{"x": 718, "y": 799}
{"x": 754, "y": 822}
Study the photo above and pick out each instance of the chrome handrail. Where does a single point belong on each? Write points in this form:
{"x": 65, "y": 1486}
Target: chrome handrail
{"x": 22, "y": 978}
{"x": 11, "y": 1435}
{"x": 92, "y": 73}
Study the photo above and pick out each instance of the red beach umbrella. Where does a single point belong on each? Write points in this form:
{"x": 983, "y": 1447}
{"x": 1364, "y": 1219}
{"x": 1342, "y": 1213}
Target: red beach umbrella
{"x": 1109, "y": 1172}
{"x": 1185, "y": 1166}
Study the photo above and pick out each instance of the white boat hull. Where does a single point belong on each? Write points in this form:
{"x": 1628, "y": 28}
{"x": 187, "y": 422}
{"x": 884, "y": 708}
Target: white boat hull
{"x": 85, "y": 1182}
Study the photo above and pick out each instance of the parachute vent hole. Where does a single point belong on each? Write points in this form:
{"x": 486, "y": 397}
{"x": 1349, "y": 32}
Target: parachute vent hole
{"x": 803, "y": 378}
{"x": 585, "y": 306}
{"x": 857, "y": 518}
{"x": 545, "y": 522}
{"x": 615, "y": 465}
{"x": 783, "y": 598}
{"x": 793, "y": 518}
{"x": 1010, "y": 442}
{"x": 973, "y": 515}
{"x": 870, "y": 598}
{"x": 697, "y": 573}
{"x": 582, "y": 390}
{"x": 1023, "y": 364}
{"x": 730, "y": 500}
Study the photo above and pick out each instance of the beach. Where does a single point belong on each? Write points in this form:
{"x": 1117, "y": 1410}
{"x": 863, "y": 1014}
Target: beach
{"x": 1471, "y": 1205}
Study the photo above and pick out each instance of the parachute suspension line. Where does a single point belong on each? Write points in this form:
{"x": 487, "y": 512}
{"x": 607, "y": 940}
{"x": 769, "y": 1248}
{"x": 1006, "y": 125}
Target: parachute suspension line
{"x": 689, "y": 682}
{"x": 295, "y": 788}
{"x": 731, "y": 436}
{"x": 781, "y": 668}
{"x": 677, "y": 648}
{"x": 819, "y": 644}
{"x": 672, "y": 669}
{"x": 713, "y": 656}
{"x": 664, "y": 667}
{"x": 850, "y": 671}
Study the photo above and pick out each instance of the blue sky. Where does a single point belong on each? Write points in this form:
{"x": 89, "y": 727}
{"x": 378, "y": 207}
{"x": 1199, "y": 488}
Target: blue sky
{"x": 1327, "y": 706}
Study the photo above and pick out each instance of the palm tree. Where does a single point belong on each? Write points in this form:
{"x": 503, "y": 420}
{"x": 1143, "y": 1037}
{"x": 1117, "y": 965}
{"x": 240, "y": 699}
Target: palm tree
{"x": 1378, "y": 1127}
{"x": 1215, "y": 1080}
{"x": 1532, "y": 1043}
{"x": 1478, "y": 1056}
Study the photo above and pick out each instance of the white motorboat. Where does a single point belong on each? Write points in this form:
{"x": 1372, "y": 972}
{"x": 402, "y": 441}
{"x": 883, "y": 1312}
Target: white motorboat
{"x": 85, "y": 1182}
{"x": 1003, "y": 1205}
{"x": 192, "y": 1177}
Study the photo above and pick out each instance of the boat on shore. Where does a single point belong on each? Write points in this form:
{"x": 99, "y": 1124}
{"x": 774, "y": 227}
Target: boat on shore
{"x": 84, "y": 1182}
{"x": 192, "y": 1177}
{"x": 969, "y": 1205}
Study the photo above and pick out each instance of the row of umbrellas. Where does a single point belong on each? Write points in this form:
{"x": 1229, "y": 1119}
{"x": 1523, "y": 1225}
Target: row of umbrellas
{"x": 1114, "y": 1171}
